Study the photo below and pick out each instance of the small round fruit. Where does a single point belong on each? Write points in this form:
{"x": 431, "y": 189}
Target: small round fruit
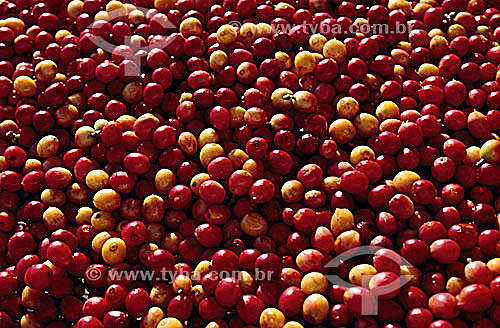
{"x": 114, "y": 251}
{"x": 490, "y": 151}
{"x": 272, "y": 318}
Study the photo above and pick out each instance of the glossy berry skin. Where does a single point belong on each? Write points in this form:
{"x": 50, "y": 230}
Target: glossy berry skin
{"x": 134, "y": 233}
{"x": 59, "y": 253}
{"x": 9, "y": 282}
{"x": 38, "y": 276}
{"x": 249, "y": 308}
{"x": 89, "y": 322}
{"x": 227, "y": 292}
{"x": 240, "y": 160}
{"x": 475, "y": 298}
{"x": 445, "y": 250}
{"x": 225, "y": 260}
{"x": 137, "y": 302}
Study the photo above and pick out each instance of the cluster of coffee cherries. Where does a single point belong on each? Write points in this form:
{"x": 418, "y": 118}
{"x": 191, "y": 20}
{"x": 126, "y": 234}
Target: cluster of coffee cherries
{"x": 249, "y": 163}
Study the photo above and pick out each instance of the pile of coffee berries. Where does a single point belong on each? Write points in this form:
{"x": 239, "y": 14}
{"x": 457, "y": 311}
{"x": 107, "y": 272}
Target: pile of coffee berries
{"x": 204, "y": 163}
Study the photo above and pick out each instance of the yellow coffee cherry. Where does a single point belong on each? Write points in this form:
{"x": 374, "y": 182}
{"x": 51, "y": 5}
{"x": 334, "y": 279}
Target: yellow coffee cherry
{"x": 114, "y": 251}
